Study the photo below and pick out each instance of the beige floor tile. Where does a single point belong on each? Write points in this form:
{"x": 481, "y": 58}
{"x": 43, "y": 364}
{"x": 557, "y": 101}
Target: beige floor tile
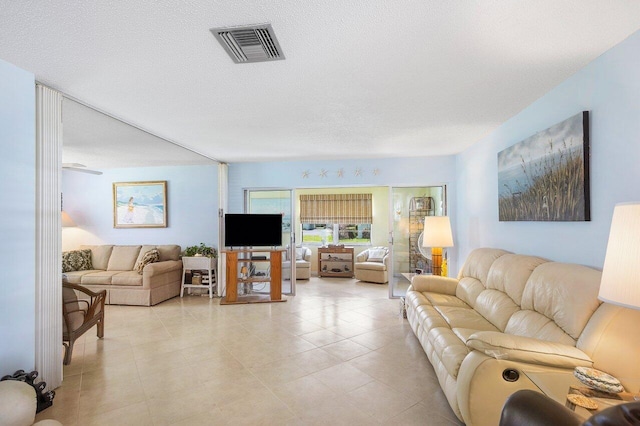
{"x": 380, "y": 400}
{"x": 343, "y": 378}
{"x": 336, "y": 353}
{"x": 346, "y": 350}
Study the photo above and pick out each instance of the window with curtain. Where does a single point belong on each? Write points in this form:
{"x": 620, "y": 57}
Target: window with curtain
{"x": 336, "y": 218}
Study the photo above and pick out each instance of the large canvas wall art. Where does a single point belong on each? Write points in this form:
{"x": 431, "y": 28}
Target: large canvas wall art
{"x": 546, "y": 176}
{"x": 140, "y": 204}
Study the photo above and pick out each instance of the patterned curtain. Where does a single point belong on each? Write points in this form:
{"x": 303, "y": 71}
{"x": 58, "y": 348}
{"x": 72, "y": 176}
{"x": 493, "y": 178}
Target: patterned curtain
{"x": 336, "y": 208}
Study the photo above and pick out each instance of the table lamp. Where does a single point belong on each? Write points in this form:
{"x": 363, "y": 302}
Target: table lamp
{"x": 437, "y": 234}
{"x": 620, "y": 283}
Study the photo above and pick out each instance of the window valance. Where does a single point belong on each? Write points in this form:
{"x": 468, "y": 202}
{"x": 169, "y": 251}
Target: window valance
{"x": 336, "y": 208}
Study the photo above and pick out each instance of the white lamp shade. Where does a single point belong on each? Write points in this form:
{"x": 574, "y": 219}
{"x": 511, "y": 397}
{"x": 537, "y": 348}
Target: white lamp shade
{"x": 67, "y": 222}
{"x": 437, "y": 232}
{"x": 620, "y": 283}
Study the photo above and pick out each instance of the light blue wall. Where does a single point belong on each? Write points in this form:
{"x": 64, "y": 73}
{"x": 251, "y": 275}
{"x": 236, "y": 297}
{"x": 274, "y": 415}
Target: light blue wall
{"x": 17, "y": 196}
{"x": 609, "y": 88}
{"x": 192, "y": 206}
{"x": 417, "y": 171}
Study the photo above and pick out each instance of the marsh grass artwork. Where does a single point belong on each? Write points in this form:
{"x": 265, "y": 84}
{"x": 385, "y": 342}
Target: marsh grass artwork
{"x": 140, "y": 204}
{"x": 546, "y": 176}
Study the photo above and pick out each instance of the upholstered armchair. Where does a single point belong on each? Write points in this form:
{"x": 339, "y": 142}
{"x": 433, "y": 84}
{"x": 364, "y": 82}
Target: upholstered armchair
{"x": 372, "y": 265}
{"x": 81, "y": 310}
{"x": 303, "y": 264}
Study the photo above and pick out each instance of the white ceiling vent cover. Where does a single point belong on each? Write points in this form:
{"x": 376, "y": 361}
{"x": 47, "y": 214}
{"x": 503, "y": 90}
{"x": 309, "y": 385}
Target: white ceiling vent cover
{"x": 254, "y": 43}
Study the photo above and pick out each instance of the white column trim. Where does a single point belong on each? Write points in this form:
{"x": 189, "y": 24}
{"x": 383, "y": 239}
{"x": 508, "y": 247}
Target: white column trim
{"x": 48, "y": 345}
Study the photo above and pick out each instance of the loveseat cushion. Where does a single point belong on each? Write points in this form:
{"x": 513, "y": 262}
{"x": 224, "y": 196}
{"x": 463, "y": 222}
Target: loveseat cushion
{"x": 372, "y": 266}
{"x": 75, "y": 277}
{"x": 99, "y": 255}
{"x": 123, "y": 258}
{"x": 98, "y": 277}
{"x": 130, "y": 278}
{"x": 169, "y": 252}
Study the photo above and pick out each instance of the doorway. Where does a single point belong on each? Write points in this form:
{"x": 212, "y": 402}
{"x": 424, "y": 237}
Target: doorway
{"x": 278, "y": 201}
{"x": 409, "y": 206}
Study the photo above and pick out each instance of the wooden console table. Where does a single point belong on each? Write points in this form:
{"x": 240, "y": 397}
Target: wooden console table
{"x": 274, "y": 278}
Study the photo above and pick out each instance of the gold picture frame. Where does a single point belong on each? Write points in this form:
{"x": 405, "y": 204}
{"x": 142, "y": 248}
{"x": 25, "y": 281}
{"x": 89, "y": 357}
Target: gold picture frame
{"x": 140, "y": 204}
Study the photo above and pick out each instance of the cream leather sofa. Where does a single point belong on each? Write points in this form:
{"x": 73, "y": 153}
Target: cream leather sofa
{"x": 508, "y": 311}
{"x": 372, "y": 264}
{"x": 113, "y": 270}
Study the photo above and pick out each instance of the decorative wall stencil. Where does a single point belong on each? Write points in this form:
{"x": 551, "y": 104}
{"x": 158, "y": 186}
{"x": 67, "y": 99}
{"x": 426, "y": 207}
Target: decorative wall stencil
{"x": 140, "y": 204}
{"x": 546, "y": 176}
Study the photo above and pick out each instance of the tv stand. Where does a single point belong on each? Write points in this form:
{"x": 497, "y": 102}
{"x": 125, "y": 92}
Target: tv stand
{"x": 232, "y": 276}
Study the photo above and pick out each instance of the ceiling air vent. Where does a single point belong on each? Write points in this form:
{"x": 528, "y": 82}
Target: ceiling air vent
{"x": 254, "y": 43}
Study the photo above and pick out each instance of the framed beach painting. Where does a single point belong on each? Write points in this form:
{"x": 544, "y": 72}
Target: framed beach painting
{"x": 140, "y": 204}
{"x": 546, "y": 176}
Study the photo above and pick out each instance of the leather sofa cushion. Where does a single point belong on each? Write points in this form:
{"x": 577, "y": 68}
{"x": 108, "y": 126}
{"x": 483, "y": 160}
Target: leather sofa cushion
{"x": 449, "y": 349}
{"x": 123, "y": 258}
{"x": 530, "y": 323}
{"x": 496, "y": 306}
{"x": 131, "y": 278}
{"x": 438, "y": 299}
{"x": 528, "y": 350}
{"x": 465, "y": 318}
{"x": 99, "y": 255}
{"x": 509, "y": 274}
{"x": 564, "y": 293}
{"x": 430, "y": 318}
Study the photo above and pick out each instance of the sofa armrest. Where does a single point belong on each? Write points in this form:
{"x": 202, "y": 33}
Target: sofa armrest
{"x": 434, "y": 284}
{"x": 527, "y": 349}
{"x": 158, "y": 268}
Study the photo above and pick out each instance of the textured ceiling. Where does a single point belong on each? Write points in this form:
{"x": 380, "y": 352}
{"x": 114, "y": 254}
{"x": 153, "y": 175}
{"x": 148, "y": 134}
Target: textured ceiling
{"x": 361, "y": 78}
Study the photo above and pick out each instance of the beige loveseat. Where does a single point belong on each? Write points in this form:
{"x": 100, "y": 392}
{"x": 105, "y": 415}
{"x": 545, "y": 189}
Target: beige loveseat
{"x": 303, "y": 264}
{"x": 112, "y": 269}
{"x": 507, "y": 311}
{"x": 372, "y": 264}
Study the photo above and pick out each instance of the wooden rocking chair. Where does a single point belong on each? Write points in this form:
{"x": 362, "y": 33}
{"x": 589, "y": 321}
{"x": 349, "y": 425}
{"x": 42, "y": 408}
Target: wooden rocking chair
{"x": 80, "y": 314}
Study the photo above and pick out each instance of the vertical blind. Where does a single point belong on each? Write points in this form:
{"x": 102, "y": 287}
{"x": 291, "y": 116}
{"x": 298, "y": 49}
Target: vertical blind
{"x": 336, "y": 208}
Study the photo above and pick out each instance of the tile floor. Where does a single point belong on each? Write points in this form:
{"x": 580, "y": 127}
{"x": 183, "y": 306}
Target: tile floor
{"x": 337, "y": 353}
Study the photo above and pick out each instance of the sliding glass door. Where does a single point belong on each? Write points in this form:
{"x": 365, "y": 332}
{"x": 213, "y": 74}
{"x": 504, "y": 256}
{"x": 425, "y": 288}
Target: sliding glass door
{"x": 409, "y": 206}
{"x": 274, "y": 202}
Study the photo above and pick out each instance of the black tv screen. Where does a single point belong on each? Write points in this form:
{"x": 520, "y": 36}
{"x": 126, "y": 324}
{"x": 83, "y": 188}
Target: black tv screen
{"x": 252, "y": 230}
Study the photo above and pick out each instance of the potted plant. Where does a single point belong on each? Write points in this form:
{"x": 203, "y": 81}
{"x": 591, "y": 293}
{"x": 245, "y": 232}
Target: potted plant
{"x": 200, "y": 250}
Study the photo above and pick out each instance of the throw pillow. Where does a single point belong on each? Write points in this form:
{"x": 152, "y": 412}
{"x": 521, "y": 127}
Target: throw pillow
{"x": 376, "y": 255}
{"x": 76, "y": 260}
{"x": 300, "y": 253}
{"x": 149, "y": 257}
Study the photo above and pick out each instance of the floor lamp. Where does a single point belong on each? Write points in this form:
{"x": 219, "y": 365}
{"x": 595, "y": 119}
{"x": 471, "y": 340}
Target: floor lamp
{"x": 437, "y": 234}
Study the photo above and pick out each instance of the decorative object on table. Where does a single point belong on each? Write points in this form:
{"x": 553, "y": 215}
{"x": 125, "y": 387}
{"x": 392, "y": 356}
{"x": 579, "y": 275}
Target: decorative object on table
{"x": 619, "y": 284}
{"x": 200, "y": 250}
{"x": 140, "y": 204}
{"x": 437, "y": 235}
{"x": 44, "y": 399}
{"x": 598, "y": 380}
{"x": 546, "y": 176}
{"x": 582, "y": 401}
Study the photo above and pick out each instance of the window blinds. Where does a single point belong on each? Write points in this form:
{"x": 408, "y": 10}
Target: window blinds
{"x": 336, "y": 208}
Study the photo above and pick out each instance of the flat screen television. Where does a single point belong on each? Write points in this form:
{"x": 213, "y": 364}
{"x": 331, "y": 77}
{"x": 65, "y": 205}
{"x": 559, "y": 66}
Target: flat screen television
{"x": 252, "y": 230}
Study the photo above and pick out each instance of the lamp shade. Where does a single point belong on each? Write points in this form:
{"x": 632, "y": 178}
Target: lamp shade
{"x": 437, "y": 232}
{"x": 67, "y": 222}
{"x": 620, "y": 283}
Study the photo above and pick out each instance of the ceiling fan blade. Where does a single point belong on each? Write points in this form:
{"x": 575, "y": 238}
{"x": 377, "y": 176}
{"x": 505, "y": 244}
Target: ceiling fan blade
{"x": 77, "y": 167}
